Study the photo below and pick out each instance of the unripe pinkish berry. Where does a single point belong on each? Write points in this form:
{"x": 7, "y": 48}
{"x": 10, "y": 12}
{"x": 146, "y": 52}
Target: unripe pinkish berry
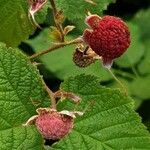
{"x": 54, "y": 125}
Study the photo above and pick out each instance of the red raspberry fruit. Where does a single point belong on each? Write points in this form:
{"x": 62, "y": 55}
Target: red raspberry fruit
{"x": 109, "y": 37}
{"x": 53, "y": 125}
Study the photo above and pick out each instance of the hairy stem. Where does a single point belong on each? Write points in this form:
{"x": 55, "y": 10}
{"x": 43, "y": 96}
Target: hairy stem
{"x": 58, "y": 25}
{"x": 53, "y": 6}
{"x": 56, "y": 46}
{"x": 51, "y": 96}
{"x": 118, "y": 81}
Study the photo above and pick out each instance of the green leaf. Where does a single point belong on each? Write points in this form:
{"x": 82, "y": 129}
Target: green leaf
{"x": 60, "y": 61}
{"x": 77, "y": 9}
{"x": 135, "y": 51}
{"x": 21, "y": 92}
{"x": 14, "y": 23}
{"x": 109, "y": 123}
{"x": 17, "y": 138}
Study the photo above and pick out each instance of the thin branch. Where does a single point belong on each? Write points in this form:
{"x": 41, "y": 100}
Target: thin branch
{"x": 56, "y": 46}
{"x": 51, "y": 96}
{"x": 58, "y": 25}
{"x": 53, "y": 6}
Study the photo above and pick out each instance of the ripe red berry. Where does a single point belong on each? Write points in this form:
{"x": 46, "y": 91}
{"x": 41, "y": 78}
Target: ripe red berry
{"x": 53, "y": 125}
{"x": 109, "y": 37}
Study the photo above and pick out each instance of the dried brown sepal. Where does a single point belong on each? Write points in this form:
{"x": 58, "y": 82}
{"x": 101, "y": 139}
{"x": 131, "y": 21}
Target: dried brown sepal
{"x": 84, "y": 57}
{"x": 68, "y": 29}
{"x": 62, "y": 94}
